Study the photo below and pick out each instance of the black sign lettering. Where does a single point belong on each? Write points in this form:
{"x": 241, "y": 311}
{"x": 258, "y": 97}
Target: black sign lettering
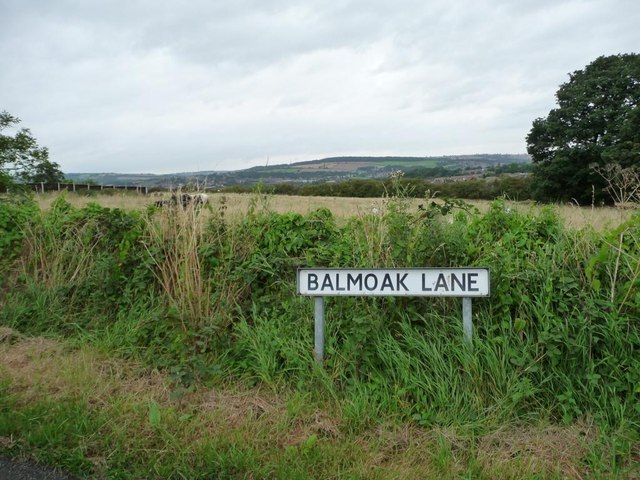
{"x": 424, "y": 284}
{"x": 455, "y": 280}
{"x": 400, "y": 281}
{"x": 441, "y": 282}
{"x": 428, "y": 282}
{"x": 386, "y": 283}
{"x": 471, "y": 282}
{"x": 354, "y": 281}
{"x": 313, "y": 281}
{"x": 371, "y": 285}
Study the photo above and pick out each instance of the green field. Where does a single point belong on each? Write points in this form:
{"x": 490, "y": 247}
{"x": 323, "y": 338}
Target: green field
{"x": 143, "y": 343}
{"x": 274, "y": 170}
{"x": 401, "y": 163}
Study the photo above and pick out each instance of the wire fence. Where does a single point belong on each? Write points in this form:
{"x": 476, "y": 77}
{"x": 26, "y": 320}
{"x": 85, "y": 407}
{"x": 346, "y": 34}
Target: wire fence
{"x": 42, "y": 187}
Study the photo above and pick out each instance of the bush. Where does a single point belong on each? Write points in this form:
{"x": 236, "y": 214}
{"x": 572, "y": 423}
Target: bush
{"x": 15, "y": 213}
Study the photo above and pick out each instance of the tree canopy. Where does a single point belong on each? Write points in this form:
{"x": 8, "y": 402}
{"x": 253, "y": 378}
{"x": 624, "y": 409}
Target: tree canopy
{"x": 21, "y": 158}
{"x": 596, "y": 122}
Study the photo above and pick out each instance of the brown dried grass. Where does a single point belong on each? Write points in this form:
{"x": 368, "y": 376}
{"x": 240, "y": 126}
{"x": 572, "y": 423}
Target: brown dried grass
{"x": 546, "y": 450}
{"x": 242, "y": 407}
{"x": 37, "y": 365}
{"x": 319, "y": 423}
{"x": 237, "y": 204}
{"x": 8, "y": 335}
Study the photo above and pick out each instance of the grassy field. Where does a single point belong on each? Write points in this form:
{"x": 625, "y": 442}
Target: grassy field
{"x": 142, "y": 343}
{"x": 237, "y": 204}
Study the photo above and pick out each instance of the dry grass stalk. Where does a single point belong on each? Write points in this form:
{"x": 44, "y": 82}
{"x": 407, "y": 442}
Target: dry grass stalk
{"x": 53, "y": 260}
{"x": 175, "y": 236}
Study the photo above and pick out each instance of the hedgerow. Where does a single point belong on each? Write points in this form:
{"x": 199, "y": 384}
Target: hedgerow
{"x": 206, "y": 298}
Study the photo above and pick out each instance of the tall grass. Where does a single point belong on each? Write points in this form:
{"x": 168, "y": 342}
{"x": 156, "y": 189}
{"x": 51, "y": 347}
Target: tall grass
{"x": 173, "y": 243}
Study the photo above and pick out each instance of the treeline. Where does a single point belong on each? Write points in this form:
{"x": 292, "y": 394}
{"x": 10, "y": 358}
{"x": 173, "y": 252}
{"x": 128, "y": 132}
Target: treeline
{"x": 514, "y": 187}
{"x": 441, "y": 171}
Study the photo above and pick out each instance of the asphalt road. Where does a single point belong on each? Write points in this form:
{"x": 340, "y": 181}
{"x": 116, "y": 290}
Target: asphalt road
{"x": 15, "y": 470}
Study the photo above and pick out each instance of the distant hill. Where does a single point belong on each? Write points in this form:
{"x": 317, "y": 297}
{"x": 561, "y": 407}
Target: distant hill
{"x": 321, "y": 170}
{"x": 479, "y": 159}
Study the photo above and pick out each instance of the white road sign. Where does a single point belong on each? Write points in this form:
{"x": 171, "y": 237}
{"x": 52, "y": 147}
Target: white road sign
{"x": 427, "y": 282}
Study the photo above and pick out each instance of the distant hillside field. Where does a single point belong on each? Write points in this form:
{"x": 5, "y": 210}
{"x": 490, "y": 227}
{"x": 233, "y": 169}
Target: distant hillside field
{"x": 313, "y": 171}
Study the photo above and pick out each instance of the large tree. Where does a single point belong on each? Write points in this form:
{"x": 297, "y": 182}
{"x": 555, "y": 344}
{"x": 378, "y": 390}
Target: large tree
{"x": 596, "y": 122}
{"x": 21, "y": 158}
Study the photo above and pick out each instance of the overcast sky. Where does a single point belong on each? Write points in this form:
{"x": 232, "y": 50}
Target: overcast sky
{"x": 165, "y": 86}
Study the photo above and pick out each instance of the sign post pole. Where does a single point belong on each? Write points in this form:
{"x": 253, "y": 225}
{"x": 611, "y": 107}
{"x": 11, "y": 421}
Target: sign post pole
{"x": 318, "y": 351}
{"x": 467, "y": 320}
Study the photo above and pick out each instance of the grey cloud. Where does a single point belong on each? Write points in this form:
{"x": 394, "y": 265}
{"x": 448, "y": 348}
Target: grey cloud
{"x": 158, "y": 86}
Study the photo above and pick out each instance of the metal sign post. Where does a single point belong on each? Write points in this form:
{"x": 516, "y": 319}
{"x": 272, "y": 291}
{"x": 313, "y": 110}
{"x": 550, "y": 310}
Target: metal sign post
{"x": 427, "y": 282}
{"x": 467, "y": 320}
{"x": 318, "y": 351}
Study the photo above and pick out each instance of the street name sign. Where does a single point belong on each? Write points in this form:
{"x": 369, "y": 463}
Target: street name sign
{"x": 423, "y": 282}
{"x": 429, "y": 282}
